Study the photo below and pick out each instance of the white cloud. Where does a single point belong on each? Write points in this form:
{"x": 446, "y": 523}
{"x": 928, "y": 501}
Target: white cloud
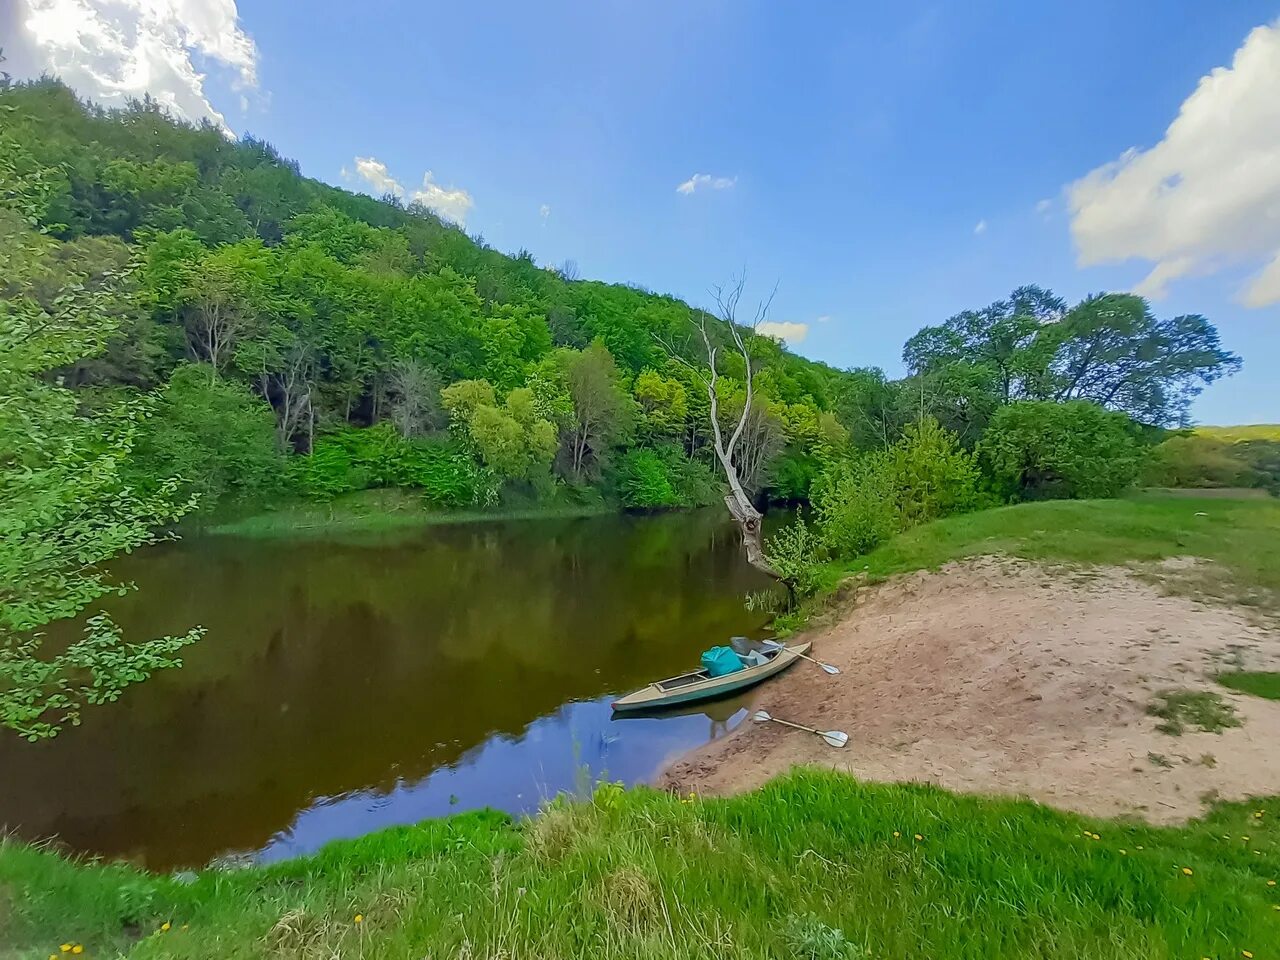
{"x": 700, "y": 180}
{"x": 452, "y": 203}
{"x": 544, "y": 211}
{"x": 1207, "y": 194}
{"x": 825, "y": 318}
{"x": 374, "y": 172}
{"x": 1044, "y": 206}
{"x": 113, "y": 50}
{"x": 786, "y": 331}
{"x": 980, "y": 228}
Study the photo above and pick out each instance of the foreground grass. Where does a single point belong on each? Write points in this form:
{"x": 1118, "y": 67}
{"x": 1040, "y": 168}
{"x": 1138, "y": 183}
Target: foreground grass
{"x": 375, "y": 511}
{"x": 899, "y": 871}
{"x": 1240, "y": 536}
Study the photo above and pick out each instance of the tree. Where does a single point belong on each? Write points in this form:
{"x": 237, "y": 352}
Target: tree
{"x": 711, "y": 330}
{"x": 1113, "y": 351}
{"x": 415, "y": 404}
{"x": 1005, "y": 337}
{"x": 67, "y": 509}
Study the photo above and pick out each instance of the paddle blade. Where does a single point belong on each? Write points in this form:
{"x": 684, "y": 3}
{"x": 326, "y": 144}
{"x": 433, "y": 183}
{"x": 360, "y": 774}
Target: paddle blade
{"x": 760, "y": 716}
{"x": 829, "y": 668}
{"x": 835, "y": 738}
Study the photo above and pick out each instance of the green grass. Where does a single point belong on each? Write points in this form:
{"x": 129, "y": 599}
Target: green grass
{"x": 808, "y": 867}
{"x": 1250, "y": 431}
{"x": 1256, "y": 683}
{"x": 1240, "y": 536}
{"x": 376, "y": 511}
{"x": 1180, "y": 709}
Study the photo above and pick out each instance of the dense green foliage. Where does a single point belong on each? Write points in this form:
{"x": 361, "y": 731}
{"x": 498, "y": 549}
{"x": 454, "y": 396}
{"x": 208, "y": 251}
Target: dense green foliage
{"x": 815, "y": 865}
{"x": 1206, "y": 458}
{"x": 67, "y": 504}
{"x": 1037, "y": 449}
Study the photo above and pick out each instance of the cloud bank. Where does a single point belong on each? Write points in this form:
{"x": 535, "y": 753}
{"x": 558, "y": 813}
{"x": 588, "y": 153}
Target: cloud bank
{"x": 112, "y": 50}
{"x": 1208, "y": 194}
{"x": 787, "y": 331}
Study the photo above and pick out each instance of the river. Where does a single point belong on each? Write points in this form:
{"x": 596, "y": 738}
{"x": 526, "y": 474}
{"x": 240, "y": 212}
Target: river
{"x": 350, "y": 684}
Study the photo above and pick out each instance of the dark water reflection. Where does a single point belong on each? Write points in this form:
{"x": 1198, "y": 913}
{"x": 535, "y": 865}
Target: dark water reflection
{"x": 349, "y": 685}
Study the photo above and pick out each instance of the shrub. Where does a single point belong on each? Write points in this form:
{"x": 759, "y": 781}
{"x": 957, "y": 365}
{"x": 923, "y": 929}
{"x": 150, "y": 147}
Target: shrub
{"x": 1199, "y": 460}
{"x": 925, "y": 475}
{"x": 1042, "y": 449}
{"x": 933, "y": 474}
{"x": 642, "y": 480}
{"x": 215, "y": 434}
{"x": 795, "y": 552}
{"x": 354, "y": 459}
{"x": 654, "y": 477}
{"x": 856, "y": 504}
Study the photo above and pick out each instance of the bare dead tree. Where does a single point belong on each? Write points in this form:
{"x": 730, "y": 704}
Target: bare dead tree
{"x": 727, "y": 451}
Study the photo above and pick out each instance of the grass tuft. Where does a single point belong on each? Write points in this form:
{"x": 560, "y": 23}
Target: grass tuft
{"x": 1180, "y": 709}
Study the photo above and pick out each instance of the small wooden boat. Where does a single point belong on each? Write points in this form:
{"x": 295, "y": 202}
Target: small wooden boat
{"x": 699, "y": 685}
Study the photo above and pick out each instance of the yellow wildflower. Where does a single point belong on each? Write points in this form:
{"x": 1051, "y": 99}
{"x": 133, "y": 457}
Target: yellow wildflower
{"x": 1139, "y": 846}
{"x": 1246, "y": 954}
{"x": 1245, "y": 839}
{"x": 78, "y": 948}
{"x": 1187, "y": 871}
{"x": 918, "y": 837}
{"x": 896, "y": 834}
{"x": 1123, "y": 852}
{"x": 164, "y": 926}
{"x": 65, "y": 948}
{"x": 359, "y": 918}
{"x": 1271, "y": 883}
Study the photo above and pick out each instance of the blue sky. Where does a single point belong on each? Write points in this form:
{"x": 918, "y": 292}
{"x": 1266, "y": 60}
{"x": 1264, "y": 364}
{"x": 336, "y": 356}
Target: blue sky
{"x": 856, "y": 147}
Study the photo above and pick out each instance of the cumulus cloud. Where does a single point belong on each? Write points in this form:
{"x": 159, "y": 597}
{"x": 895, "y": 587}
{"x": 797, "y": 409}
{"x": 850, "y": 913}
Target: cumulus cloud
{"x": 788, "y": 332}
{"x": 544, "y": 211}
{"x": 705, "y": 180}
{"x": 374, "y": 172}
{"x": 825, "y": 318}
{"x": 1208, "y": 194}
{"x": 980, "y": 228}
{"x": 452, "y": 203}
{"x": 112, "y": 50}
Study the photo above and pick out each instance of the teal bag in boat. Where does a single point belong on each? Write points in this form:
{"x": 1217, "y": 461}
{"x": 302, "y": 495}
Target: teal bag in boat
{"x": 720, "y": 661}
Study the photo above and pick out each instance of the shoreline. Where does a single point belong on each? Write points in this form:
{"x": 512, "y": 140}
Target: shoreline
{"x": 1002, "y": 677}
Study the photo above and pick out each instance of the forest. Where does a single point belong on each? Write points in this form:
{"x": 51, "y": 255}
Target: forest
{"x": 187, "y": 321}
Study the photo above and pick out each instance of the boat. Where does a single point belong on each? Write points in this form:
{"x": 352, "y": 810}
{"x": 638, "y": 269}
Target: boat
{"x": 700, "y": 685}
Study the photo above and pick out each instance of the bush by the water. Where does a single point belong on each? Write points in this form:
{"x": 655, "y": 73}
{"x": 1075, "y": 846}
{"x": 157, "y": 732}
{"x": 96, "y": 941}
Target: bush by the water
{"x": 1042, "y": 450}
{"x": 214, "y": 434}
{"x": 862, "y": 501}
{"x": 654, "y": 477}
{"x": 349, "y": 459}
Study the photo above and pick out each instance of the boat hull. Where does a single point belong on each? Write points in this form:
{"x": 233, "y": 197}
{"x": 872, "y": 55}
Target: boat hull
{"x": 656, "y": 696}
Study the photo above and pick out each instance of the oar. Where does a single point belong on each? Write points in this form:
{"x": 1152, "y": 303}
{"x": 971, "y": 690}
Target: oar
{"x": 834, "y": 738}
{"x": 830, "y": 668}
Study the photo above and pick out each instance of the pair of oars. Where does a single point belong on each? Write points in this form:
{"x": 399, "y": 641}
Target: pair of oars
{"x": 775, "y": 645}
{"x": 834, "y": 738}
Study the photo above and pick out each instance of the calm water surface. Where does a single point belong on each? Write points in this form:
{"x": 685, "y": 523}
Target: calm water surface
{"x": 348, "y": 685}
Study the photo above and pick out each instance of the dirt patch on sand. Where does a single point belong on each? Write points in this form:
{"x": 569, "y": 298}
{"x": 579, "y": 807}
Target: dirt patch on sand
{"x": 999, "y": 676}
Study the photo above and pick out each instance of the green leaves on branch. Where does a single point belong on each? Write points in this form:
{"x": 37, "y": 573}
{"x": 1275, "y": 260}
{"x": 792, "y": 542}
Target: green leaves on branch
{"x": 67, "y": 507}
{"x": 1041, "y": 449}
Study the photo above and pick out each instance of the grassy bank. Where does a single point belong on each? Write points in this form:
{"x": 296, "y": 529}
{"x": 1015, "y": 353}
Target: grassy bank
{"x": 1241, "y": 538}
{"x": 898, "y": 871}
{"x": 372, "y": 511}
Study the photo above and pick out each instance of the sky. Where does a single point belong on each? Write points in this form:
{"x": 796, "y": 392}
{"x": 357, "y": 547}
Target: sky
{"x": 886, "y": 165}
